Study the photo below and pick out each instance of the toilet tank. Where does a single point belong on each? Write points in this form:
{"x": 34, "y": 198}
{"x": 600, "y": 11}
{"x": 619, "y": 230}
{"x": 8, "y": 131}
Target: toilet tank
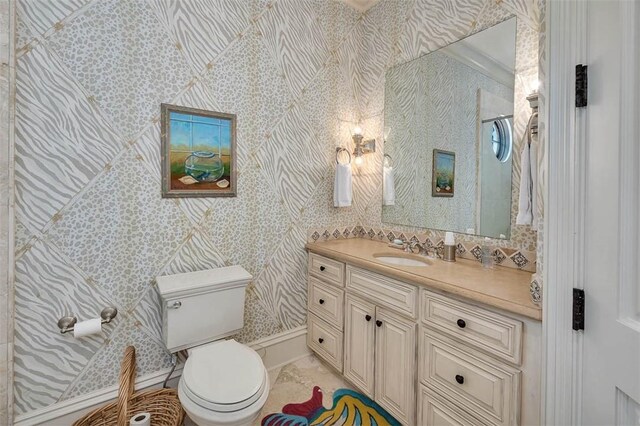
{"x": 203, "y": 306}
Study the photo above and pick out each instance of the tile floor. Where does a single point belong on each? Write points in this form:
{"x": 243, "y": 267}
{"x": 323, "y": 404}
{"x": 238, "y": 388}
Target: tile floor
{"x": 294, "y": 383}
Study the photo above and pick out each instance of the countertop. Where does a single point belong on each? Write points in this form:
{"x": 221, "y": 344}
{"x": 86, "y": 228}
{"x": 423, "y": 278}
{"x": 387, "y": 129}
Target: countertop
{"x": 500, "y": 287}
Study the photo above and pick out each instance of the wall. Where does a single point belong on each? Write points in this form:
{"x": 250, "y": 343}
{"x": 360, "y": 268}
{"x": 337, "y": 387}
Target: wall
{"x": 6, "y": 205}
{"x": 91, "y": 228}
{"x": 396, "y": 31}
{"x": 441, "y": 94}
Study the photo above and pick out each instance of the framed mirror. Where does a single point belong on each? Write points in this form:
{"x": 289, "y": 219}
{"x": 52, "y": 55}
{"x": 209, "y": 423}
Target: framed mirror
{"x": 449, "y": 140}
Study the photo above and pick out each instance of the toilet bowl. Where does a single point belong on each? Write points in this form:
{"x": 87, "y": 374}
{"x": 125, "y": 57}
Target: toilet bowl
{"x": 223, "y": 383}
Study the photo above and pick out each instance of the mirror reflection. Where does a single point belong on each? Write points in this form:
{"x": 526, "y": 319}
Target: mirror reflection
{"x": 449, "y": 136}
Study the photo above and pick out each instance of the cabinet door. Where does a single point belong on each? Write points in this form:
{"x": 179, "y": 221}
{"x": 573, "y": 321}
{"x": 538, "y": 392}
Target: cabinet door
{"x": 359, "y": 331}
{"x": 395, "y": 365}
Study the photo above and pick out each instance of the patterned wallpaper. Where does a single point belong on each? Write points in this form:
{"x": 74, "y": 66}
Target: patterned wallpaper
{"x": 91, "y": 227}
{"x": 421, "y": 115}
{"x": 427, "y": 25}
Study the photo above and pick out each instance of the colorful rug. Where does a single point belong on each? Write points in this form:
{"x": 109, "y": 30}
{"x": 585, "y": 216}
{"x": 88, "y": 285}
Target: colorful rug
{"x": 350, "y": 408}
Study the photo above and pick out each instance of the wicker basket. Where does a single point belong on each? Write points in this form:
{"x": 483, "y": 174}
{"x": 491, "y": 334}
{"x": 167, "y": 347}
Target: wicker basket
{"x": 163, "y": 405}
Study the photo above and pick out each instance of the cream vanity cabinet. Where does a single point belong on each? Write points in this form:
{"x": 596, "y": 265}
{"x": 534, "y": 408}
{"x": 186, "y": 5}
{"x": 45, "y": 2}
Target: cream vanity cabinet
{"x": 427, "y": 358}
{"x": 376, "y": 317}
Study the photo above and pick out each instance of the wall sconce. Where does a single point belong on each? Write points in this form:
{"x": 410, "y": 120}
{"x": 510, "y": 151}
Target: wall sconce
{"x": 533, "y": 103}
{"x": 361, "y": 146}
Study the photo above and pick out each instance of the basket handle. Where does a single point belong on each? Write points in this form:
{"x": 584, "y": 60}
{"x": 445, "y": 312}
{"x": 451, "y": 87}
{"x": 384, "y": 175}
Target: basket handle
{"x": 127, "y": 381}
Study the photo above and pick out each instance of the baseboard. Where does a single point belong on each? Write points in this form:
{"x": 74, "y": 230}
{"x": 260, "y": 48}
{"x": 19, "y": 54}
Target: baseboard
{"x": 276, "y": 350}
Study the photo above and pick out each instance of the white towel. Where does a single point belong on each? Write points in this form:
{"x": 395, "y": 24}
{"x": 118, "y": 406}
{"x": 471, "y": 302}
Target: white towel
{"x": 525, "y": 215}
{"x": 342, "y": 192}
{"x": 527, "y": 200}
{"x": 533, "y": 160}
{"x": 388, "y": 187}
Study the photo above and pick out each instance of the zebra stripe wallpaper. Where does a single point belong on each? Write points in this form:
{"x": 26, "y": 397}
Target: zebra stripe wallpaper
{"x": 91, "y": 228}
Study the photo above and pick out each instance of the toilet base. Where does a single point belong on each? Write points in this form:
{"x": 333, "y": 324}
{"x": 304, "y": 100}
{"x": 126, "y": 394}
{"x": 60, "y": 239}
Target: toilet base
{"x": 206, "y": 417}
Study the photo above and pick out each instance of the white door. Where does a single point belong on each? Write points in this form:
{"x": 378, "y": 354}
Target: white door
{"x": 359, "y": 335}
{"x": 395, "y": 365}
{"x": 611, "y": 352}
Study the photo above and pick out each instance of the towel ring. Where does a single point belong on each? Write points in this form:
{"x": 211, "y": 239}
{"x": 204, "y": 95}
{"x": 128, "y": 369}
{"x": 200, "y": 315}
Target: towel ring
{"x": 339, "y": 150}
{"x": 389, "y": 157}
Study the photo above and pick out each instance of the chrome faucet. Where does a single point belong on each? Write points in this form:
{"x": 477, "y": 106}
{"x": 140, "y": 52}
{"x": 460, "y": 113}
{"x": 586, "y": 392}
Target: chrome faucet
{"x": 422, "y": 248}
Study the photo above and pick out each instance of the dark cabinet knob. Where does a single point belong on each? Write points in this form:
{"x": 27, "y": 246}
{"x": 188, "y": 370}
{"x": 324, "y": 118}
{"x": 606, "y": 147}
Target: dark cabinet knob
{"x": 379, "y": 323}
{"x": 367, "y": 317}
{"x": 321, "y": 301}
{"x": 320, "y": 340}
{"x": 459, "y": 379}
{"x": 461, "y": 323}
{"x": 322, "y": 268}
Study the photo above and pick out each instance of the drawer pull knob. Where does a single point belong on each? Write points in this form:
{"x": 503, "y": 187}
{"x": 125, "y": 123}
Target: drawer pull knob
{"x": 322, "y": 268}
{"x": 459, "y": 379}
{"x": 379, "y": 323}
{"x": 320, "y": 340}
{"x": 321, "y": 301}
{"x": 367, "y": 317}
{"x": 461, "y": 323}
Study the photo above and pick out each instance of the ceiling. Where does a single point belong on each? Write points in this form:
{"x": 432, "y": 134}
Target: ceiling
{"x": 361, "y": 5}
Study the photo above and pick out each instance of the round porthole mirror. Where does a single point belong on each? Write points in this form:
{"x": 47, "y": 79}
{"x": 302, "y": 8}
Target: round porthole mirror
{"x": 502, "y": 139}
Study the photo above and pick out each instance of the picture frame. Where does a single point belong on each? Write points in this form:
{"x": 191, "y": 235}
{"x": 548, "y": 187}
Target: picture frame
{"x": 444, "y": 171}
{"x": 198, "y": 152}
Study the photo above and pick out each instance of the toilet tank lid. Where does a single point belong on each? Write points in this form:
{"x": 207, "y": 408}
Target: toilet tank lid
{"x": 192, "y": 282}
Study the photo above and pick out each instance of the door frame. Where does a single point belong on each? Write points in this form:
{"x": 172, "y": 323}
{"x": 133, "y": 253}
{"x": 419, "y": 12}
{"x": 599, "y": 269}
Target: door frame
{"x": 565, "y": 200}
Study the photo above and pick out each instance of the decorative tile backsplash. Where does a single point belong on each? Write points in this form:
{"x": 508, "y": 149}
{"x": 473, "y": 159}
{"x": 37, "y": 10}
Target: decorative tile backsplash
{"x": 468, "y": 248}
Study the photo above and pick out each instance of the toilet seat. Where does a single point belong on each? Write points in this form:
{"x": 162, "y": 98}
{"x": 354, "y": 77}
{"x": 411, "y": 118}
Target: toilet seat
{"x": 224, "y": 376}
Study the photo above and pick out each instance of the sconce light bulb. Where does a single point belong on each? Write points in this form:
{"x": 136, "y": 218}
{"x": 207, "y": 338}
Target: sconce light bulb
{"x": 357, "y": 130}
{"x": 536, "y": 85}
{"x": 358, "y": 160}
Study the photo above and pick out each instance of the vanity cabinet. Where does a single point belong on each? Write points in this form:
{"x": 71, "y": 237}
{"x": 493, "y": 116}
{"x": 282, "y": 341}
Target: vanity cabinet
{"x": 426, "y": 357}
{"x": 380, "y": 355}
{"x": 325, "y": 302}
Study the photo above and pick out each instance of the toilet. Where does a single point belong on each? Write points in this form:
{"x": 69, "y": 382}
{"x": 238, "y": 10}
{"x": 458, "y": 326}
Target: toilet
{"x": 223, "y": 382}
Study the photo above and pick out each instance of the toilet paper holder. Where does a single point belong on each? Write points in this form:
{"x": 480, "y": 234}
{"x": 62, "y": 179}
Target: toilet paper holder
{"x": 66, "y": 323}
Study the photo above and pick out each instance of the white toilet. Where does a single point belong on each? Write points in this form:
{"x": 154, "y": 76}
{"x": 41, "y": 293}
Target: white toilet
{"x": 223, "y": 382}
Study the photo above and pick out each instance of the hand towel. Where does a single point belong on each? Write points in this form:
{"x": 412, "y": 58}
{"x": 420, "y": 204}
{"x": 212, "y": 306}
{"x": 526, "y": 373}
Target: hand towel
{"x": 533, "y": 160}
{"x": 342, "y": 192}
{"x": 527, "y": 202}
{"x": 388, "y": 187}
{"x": 524, "y": 200}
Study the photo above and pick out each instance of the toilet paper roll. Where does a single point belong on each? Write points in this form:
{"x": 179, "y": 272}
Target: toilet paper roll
{"x": 85, "y": 328}
{"x": 140, "y": 419}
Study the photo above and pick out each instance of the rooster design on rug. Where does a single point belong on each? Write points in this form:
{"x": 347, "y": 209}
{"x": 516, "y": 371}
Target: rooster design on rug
{"x": 349, "y": 408}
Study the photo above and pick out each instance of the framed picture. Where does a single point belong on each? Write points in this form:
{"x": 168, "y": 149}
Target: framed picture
{"x": 444, "y": 171}
{"x": 198, "y": 153}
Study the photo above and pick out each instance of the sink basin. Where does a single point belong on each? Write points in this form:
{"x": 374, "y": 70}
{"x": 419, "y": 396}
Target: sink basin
{"x": 402, "y": 259}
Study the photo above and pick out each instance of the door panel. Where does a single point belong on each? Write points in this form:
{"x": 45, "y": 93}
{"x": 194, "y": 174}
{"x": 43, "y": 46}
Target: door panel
{"x": 611, "y": 353}
{"x": 395, "y": 377}
{"x": 359, "y": 345}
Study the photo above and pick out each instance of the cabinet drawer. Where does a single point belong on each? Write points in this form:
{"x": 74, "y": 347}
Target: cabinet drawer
{"x": 326, "y": 302}
{"x": 329, "y": 270}
{"x": 488, "y": 331}
{"x": 385, "y": 291}
{"x": 433, "y": 410}
{"x": 472, "y": 380}
{"x": 325, "y": 341}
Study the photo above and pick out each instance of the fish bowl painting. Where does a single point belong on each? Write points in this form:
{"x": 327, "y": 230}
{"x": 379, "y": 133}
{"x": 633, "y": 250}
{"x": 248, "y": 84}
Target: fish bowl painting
{"x": 198, "y": 152}
{"x": 444, "y": 168}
